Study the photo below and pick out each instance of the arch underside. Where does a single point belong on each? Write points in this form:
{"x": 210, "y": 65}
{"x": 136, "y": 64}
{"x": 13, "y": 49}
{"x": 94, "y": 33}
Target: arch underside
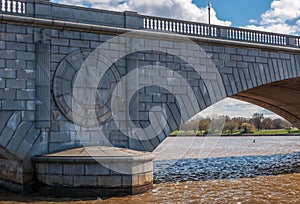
{"x": 282, "y": 98}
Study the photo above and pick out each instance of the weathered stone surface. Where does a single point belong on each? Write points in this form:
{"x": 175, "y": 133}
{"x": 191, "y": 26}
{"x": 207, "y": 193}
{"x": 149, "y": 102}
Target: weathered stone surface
{"x": 40, "y": 61}
{"x": 95, "y": 167}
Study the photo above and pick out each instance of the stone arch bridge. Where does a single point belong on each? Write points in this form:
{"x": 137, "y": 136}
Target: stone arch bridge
{"x": 44, "y": 45}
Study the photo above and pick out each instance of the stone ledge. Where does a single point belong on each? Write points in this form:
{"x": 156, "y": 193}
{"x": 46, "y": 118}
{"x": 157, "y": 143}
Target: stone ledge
{"x": 100, "y": 153}
{"x": 94, "y": 28}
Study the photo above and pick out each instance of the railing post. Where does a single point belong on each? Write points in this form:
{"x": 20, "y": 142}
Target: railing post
{"x": 291, "y": 41}
{"x": 29, "y": 8}
{"x": 17, "y": 7}
{"x": 11, "y": 6}
{"x": 222, "y": 33}
{"x": 5, "y": 5}
{"x": 133, "y": 20}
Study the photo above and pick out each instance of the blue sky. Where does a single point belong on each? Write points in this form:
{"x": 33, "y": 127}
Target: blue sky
{"x": 239, "y": 12}
{"x": 281, "y": 16}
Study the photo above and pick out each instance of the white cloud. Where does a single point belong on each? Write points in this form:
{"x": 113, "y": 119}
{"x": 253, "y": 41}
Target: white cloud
{"x": 178, "y": 9}
{"x": 253, "y": 21}
{"x": 235, "y": 108}
{"x": 283, "y": 17}
{"x": 281, "y": 10}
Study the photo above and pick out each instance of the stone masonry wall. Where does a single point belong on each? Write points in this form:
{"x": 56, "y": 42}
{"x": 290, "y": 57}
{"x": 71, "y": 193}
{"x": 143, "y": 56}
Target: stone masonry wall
{"x": 240, "y": 68}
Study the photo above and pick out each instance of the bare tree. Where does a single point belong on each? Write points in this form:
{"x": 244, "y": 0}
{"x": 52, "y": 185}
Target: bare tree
{"x": 257, "y": 120}
{"x": 267, "y": 123}
{"x": 231, "y": 126}
{"x": 204, "y": 125}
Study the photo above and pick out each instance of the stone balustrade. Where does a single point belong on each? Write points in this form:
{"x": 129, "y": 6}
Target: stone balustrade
{"x": 13, "y": 6}
{"x": 221, "y": 32}
{"x": 129, "y": 19}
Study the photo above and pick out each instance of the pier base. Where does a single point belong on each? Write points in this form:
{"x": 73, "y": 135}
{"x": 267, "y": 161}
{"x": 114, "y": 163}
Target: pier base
{"x": 94, "y": 171}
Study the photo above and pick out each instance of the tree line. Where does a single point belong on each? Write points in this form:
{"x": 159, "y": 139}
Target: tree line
{"x": 235, "y": 125}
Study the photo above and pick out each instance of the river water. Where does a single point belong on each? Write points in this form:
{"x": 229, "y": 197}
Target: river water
{"x": 212, "y": 170}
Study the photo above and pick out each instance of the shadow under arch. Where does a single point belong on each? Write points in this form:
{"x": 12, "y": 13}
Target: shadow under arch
{"x": 281, "y": 97}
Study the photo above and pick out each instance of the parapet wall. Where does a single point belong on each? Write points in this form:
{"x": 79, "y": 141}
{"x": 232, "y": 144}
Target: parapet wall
{"x": 53, "y": 11}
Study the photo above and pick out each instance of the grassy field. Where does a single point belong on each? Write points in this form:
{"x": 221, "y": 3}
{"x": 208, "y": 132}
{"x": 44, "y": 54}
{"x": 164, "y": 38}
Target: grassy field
{"x": 261, "y": 132}
{"x": 277, "y": 132}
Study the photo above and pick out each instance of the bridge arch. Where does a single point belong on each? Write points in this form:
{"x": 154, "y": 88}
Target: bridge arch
{"x": 267, "y": 78}
{"x": 263, "y": 76}
{"x": 280, "y": 97}
{"x": 246, "y": 73}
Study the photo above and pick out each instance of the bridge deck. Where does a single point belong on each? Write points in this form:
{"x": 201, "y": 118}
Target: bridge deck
{"x": 46, "y": 9}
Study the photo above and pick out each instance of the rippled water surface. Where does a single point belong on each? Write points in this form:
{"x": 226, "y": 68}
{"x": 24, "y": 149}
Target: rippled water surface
{"x": 209, "y": 147}
{"x": 218, "y": 170}
{"x": 271, "y": 189}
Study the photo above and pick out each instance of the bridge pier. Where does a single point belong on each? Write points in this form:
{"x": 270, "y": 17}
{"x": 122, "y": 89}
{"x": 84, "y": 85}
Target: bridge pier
{"x": 96, "y": 171}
